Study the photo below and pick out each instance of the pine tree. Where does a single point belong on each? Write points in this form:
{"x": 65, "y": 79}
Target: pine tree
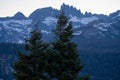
{"x": 65, "y": 61}
{"x": 32, "y": 64}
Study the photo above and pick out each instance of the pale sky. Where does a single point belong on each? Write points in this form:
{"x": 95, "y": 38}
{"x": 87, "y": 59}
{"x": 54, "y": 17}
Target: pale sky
{"x": 10, "y": 7}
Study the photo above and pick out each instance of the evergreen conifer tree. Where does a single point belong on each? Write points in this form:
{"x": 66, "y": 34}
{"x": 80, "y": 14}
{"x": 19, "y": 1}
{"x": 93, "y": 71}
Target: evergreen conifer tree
{"x": 66, "y": 60}
{"x": 32, "y": 64}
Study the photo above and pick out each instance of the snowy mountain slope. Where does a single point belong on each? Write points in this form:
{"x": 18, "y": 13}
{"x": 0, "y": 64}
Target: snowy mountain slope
{"x": 15, "y": 29}
{"x": 85, "y": 20}
{"x": 49, "y": 21}
{"x": 100, "y": 30}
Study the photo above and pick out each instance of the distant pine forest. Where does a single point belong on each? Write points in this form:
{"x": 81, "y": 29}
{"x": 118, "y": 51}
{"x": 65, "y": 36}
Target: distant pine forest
{"x": 100, "y": 66}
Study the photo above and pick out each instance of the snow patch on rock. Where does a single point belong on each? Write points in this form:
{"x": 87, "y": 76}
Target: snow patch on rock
{"x": 74, "y": 19}
{"x": 87, "y": 20}
{"x": 22, "y": 22}
{"x": 103, "y": 26}
{"x": 77, "y": 33}
{"x": 20, "y": 42}
{"x": 49, "y": 20}
{"x": 46, "y": 32}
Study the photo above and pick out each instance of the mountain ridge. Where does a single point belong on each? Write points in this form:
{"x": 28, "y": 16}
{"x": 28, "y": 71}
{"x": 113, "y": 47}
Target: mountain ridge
{"x": 86, "y": 26}
{"x": 65, "y": 5}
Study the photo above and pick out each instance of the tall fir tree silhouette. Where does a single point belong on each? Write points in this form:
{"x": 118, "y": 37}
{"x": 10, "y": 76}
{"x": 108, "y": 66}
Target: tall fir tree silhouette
{"x": 32, "y": 64}
{"x": 66, "y": 63}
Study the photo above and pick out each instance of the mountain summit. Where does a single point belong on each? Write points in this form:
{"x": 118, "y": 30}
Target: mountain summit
{"x": 19, "y": 15}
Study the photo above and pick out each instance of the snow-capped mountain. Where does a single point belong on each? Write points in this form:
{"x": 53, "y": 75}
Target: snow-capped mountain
{"x": 15, "y": 29}
{"x": 94, "y": 33}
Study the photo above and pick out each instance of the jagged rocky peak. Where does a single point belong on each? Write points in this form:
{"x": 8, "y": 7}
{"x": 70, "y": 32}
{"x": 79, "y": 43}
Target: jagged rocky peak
{"x": 88, "y": 14}
{"x": 64, "y": 6}
{"x": 71, "y": 10}
{"x": 19, "y": 15}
